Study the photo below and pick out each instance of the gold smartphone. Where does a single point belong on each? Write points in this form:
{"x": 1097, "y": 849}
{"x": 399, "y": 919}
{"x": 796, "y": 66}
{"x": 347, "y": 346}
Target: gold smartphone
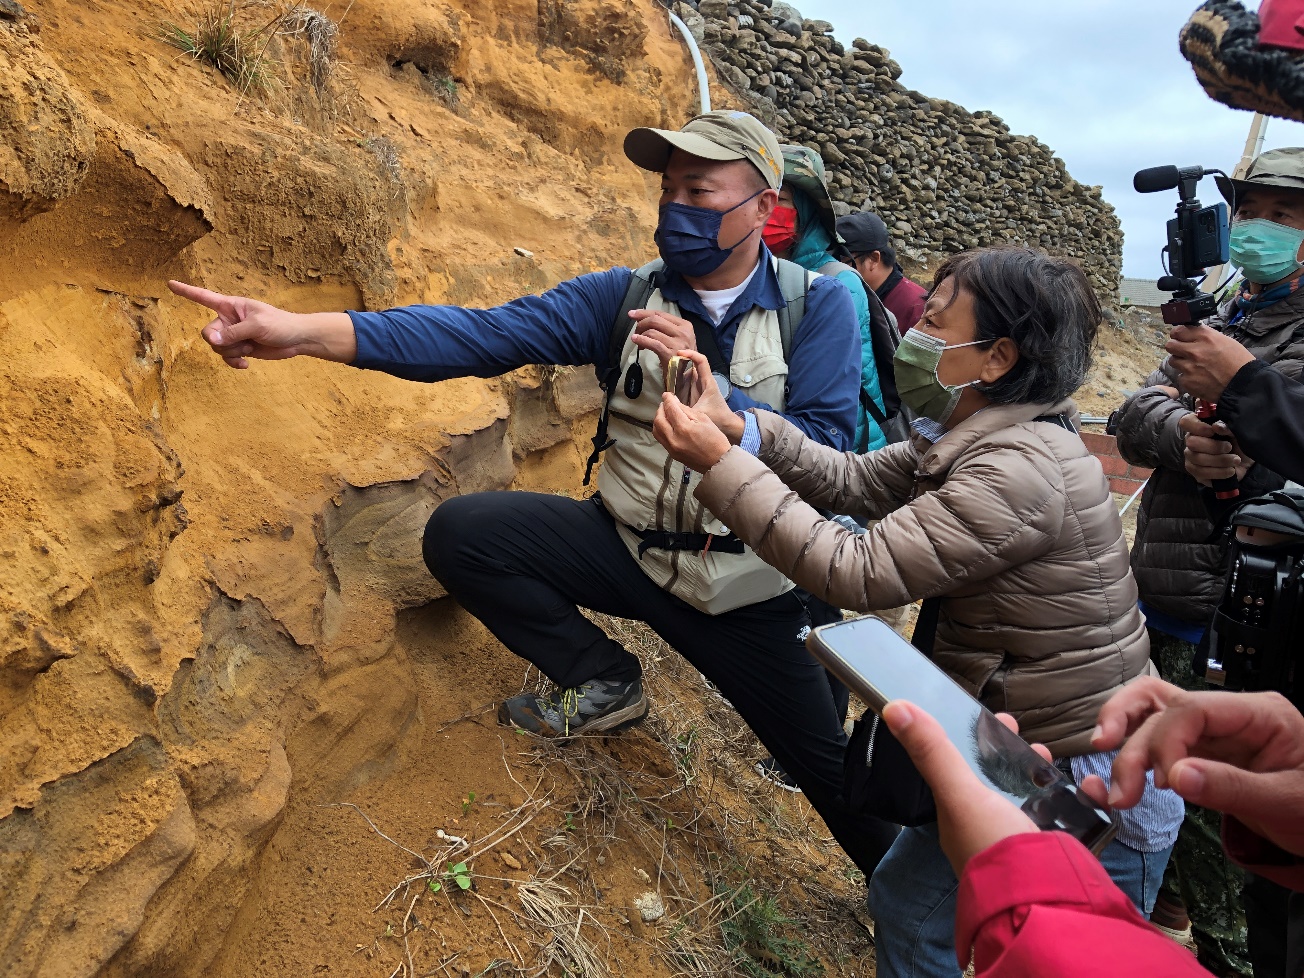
{"x": 679, "y": 378}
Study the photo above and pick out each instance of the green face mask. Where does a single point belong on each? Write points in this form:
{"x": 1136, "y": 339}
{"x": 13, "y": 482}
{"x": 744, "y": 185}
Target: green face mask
{"x": 1265, "y": 251}
{"x": 915, "y": 367}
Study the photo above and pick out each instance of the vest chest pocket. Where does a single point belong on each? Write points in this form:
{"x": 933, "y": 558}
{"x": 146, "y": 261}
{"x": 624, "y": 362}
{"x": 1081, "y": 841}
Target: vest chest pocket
{"x": 763, "y": 378}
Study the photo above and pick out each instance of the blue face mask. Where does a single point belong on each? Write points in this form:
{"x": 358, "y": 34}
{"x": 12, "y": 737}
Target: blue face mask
{"x": 689, "y": 238}
{"x": 1265, "y": 251}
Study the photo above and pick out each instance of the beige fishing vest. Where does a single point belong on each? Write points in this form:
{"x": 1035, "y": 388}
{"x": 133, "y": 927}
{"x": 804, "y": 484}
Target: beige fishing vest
{"x": 645, "y": 489}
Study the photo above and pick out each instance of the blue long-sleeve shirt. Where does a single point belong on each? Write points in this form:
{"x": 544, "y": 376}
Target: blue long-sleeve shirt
{"x": 572, "y": 323}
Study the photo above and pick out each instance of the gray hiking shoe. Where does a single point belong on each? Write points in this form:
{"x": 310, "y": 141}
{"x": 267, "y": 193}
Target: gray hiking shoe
{"x": 589, "y": 708}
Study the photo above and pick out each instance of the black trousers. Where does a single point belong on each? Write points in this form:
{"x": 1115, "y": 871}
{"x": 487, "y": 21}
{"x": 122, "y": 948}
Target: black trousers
{"x": 523, "y": 563}
{"x": 823, "y": 613}
{"x": 1276, "y": 919}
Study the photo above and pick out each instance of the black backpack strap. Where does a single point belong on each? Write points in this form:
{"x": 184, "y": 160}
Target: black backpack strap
{"x": 925, "y": 634}
{"x": 872, "y": 409}
{"x": 642, "y": 283}
{"x": 707, "y": 344}
{"x": 1062, "y": 420}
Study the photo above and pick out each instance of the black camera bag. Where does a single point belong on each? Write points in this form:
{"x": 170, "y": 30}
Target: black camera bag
{"x": 1257, "y": 627}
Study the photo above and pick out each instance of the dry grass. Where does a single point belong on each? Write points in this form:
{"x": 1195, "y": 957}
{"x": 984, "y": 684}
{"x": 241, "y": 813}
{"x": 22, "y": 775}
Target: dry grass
{"x": 239, "y": 54}
{"x": 321, "y": 34}
{"x": 730, "y": 856}
{"x": 255, "y": 44}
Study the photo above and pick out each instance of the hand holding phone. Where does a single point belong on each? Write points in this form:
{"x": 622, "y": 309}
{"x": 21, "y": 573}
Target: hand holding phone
{"x": 679, "y": 379}
{"x": 970, "y": 816}
{"x": 880, "y": 667}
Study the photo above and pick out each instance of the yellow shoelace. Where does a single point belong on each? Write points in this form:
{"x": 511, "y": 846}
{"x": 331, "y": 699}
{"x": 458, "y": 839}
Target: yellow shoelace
{"x": 570, "y": 706}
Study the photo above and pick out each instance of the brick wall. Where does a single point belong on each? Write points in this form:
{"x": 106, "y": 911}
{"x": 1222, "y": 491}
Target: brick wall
{"x": 1123, "y": 478}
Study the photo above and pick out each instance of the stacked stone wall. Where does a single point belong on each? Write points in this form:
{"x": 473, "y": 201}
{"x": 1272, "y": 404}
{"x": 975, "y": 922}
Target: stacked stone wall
{"x": 943, "y": 178}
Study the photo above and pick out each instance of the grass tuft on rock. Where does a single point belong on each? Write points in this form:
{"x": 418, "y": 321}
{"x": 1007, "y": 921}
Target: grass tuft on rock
{"x": 239, "y": 55}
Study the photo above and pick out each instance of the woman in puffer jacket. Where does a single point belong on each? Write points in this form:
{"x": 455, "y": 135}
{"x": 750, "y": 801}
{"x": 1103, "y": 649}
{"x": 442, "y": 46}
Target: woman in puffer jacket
{"x": 996, "y": 506}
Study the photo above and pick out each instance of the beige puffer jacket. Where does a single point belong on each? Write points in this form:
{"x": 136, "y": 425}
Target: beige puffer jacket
{"x": 1009, "y": 519}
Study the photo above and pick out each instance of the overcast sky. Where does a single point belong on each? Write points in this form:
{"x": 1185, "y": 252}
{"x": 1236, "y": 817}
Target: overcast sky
{"x": 1100, "y": 81}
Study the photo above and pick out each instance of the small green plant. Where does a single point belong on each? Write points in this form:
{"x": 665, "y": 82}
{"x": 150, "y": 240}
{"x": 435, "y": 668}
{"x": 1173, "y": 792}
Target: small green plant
{"x": 240, "y": 55}
{"x": 754, "y": 934}
{"x": 468, "y": 801}
{"x": 569, "y": 824}
{"x": 445, "y": 87}
{"x": 460, "y": 875}
{"x": 457, "y": 873}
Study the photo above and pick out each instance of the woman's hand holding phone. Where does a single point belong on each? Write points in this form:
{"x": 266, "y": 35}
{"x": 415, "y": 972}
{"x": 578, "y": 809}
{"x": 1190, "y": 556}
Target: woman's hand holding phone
{"x": 970, "y": 816}
{"x": 698, "y": 435}
{"x": 707, "y": 399}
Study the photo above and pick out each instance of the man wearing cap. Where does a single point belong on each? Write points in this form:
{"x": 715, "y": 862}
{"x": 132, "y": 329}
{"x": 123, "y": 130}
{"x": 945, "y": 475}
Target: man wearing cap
{"x": 644, "y": 548}
{"x": 874, "y": 258}
{"x": 1178, "y": 557}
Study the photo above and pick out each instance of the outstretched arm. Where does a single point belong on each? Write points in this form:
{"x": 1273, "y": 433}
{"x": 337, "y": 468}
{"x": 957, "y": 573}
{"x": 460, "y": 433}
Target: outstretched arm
{"x": 245, "y": 328}
{"x": 964, "y": 532}
{"x": 569, "y": 324}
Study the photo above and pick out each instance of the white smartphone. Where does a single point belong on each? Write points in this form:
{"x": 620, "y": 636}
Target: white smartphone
{"x": 879, "y": 666}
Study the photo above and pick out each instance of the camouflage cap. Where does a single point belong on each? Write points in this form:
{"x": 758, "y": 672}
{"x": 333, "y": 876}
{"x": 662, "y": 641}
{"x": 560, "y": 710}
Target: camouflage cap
{"x": 726, "y": 135}
{"x": 803, "y": 168}
{"x": 1276, "y": 168}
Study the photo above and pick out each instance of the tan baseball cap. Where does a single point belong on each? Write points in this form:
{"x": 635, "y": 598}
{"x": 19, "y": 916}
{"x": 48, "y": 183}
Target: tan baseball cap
{"x": 727, "y": 135}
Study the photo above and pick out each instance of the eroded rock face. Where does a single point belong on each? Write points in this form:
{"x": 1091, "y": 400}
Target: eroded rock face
{"x": 82, "y": 864}
{"x": 207, "y": 571}
{"x": 46, "y": 141}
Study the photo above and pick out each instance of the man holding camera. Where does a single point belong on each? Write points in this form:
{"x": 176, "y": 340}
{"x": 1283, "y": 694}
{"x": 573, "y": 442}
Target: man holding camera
{"x": 1177, "y": 557}
{"x": 525, "y": 564}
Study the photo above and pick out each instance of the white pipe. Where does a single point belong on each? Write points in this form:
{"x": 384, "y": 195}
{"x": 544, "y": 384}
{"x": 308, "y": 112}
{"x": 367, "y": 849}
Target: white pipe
{"x": 1128, "y": 505}
{"x": 1253, "y": 147}
{"x": 703, "y": 86}
{"x": 1258, "y": 129}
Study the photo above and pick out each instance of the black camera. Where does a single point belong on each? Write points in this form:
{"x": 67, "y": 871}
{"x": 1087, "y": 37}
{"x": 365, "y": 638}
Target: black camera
{"x": 1254, "y": 640}
{"x": 1198, "y": 238}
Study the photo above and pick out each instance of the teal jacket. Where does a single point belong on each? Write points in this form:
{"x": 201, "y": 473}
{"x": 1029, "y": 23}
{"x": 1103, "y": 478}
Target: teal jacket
{"x": 813, "y": 251}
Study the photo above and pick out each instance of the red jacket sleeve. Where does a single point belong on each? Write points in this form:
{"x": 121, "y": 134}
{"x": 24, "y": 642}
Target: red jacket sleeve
{"x": 1040, "y": 904}
{"x": 1261, "y": 857}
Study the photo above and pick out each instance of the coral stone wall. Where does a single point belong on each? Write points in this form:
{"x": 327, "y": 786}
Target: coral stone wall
{"x": 943, "y": 178}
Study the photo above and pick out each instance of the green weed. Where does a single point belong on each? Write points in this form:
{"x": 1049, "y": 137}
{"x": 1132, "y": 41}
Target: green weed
{"x": 754, "y": 934}
{"x": 457, "y": 874}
